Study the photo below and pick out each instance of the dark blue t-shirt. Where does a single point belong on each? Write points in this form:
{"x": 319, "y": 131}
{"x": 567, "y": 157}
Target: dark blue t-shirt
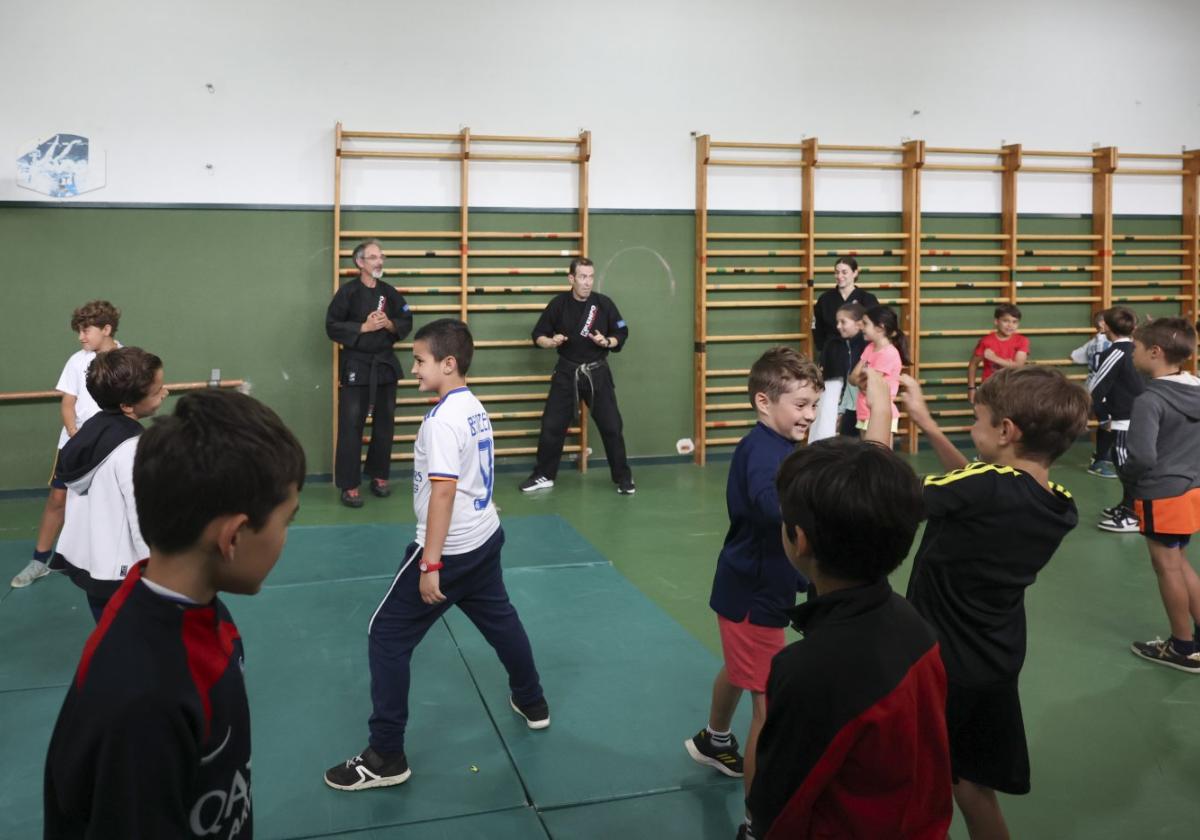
{"x": 754, "y": 577}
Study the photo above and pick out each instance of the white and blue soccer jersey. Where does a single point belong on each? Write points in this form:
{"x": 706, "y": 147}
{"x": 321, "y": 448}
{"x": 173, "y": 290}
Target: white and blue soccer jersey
{"x": 455, "y": 442}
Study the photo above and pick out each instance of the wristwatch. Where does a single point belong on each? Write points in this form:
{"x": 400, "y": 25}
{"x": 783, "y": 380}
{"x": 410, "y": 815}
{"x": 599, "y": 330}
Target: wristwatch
{"x": 430, "y": 567}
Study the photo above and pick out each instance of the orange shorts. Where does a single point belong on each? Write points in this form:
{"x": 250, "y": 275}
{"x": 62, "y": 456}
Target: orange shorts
{"x": 1177, "y": 516}
{"x": 748, "y": 650}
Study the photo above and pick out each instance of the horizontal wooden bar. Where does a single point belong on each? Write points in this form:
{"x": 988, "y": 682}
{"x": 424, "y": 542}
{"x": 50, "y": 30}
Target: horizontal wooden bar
{"x": 1043, "y": 153}
{"x": 1150, "y": 252}
{"x": 959, "y": 167}
{"x": 506, "y": 307}
{"x": 1143, "y": 284}
{"x": 379, "y": 153}
{"x": 513, "y": 138}
{"x": 1057, "y": 284}
{"x": 435, "y": 309}
{"x": 982, "y": 237}
{"x": 753, "y": 287}
{"x": 1053, "y": 269}
{"x": 505, "y": 234}
{"x": 965, "y": 252}
{"x": 954, "y": 150}
{"x": 769, "y": 164}
{"x": 1057, "y": 299}
{"x": 962, "y": 364}
{"x": 968, "y": 301}
{"x": 429, "y": 290}
{"x": 481, "y": 271}
{"x": 850, "y": 236}
{"x": 1053, "y": 252}
{"x": 1060, "y": 170}
{"x": 398, "y": 135}
{"x": 1030, "y": 331}
{"x": 754, "y": 304}
{"x": 475, "y": 156}
{"x": 517, "y": 290}
{"x": 1149, "y": 298}
{"x": 407, "y": 272}
{"x": 725, "y": 339}
{"x": 753, "y": 252}
{"x": 754, "y": 269}
{"x": 841, "y": 147}
{"x": 532, "y": 252}
{"x": 1147, "y": 237}
{"x": 862, "y": 252}
{"x": 174, "y": 388}
{"x": 1059, "y": 237}
{"x": 1146, "y": 156}
{"x": 765, "y": 236}
{"x": 969, "y": 284}
{"x": 847, "y": 164}
{"x": 730, "y": 424}
{"x": 961, "y": 268}
{"x": 408, "y": 252}
{"x": 400, "y": 234}
{"x": 725, "y": 389}
{"x": 1174, "y": 172}
{"x": 504, "y": 343}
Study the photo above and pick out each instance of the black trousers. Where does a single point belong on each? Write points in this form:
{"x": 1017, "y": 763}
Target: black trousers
{"x": 560, "y": 411}
{"x": 353, "y": 401}
{"x": 1120, "y": 456}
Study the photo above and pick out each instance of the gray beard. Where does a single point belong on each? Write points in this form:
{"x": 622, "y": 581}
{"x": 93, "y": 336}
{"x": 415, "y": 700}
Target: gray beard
{"x": 377, "y": 274}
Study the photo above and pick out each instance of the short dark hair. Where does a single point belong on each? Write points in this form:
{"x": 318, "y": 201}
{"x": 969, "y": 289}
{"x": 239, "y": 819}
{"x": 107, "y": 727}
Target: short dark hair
{"x": 1050, "y": 410}
{"x": 1175, "y": 336}
{"x": 858, "y": 504}
{"x": 122, "y": 376}
{"x": 856, "y": 310}
{"x": 578, "y": 261}
{"x": 449, "y": 337}
{"x": 220, "y": 453}
{"x": 1009, "y": 309}
{"x": 1120, "y": 319}
{"x": 776, "y": 369}
{"x": 96, "y": 313}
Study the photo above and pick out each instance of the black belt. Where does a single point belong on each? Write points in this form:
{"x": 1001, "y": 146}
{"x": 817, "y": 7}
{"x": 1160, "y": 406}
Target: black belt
{"x": 574, "y": 369}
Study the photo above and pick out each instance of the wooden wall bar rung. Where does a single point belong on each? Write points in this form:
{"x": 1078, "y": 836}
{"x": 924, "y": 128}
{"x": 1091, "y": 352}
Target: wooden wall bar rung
{"x": 1173, "y": 267}
{"x": 754, "y": 252}
{"x": 1030, "y": 331}
{"x": 982, "y": 237}
{"x": 753, "y": 287}
{"x": 1135, "y": 171}
{"x": 754, "y": 304}
{"x": 506, "y": 307}
{"x": 969, "y": 284}
{"x": 752, "y": 269}
{"x": 174, "y": 388}
{"x": 964, "y": 252}
{"x": 515, "y": 272}
{"x": 504, "y": 234}
{"x": 953, "y": 150}
{"x": 772, "y": 338}
{"x": 729, "y": 372}
{"x": 960, "y": 167}
{"x": 868, "y": 236}
{"x": 768, "y": 164}
{"x": 399, "y": 234}
{"x": 1148, "y": 238}
{"x": 1142, "y": 284}
{"x": 491, "y": 380}
{"x": 498, "y": 252}
{"x": 414, "y": 252}
{"x": 765, "y": 236}
{"x": 517, "y": 290}
{"x": 1058, "y": 299}
{"x": 968, "y": 301}
{"x": 1148, "y": 298}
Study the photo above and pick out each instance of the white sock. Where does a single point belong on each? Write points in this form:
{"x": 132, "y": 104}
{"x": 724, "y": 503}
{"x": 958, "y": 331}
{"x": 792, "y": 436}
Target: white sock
{"x": 719, "y": 739}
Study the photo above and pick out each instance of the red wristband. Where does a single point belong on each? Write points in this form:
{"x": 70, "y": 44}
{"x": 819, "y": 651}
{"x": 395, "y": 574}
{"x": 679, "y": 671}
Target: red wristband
{"x": 430, "y": 567}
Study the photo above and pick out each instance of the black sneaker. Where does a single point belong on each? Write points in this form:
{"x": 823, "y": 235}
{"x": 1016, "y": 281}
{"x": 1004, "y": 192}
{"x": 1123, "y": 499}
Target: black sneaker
{"x": 626, "y": 487}
{"x": 380, "y": 488}
{"x": 368, "y": 769}
{"x": 536, "y": 482}
{"x": 352, "y": 498}
{"x": 1122, "y": 521}
{"x": 537, "y": 714}
{"x": 725, "y": 760}
{"x": 1164, "y": 653}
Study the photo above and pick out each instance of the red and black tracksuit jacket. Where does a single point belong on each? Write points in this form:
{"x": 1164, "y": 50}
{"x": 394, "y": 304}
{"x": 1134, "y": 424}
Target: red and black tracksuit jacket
{"x": 153, "y": 739}
{"x": 855, "y": 743}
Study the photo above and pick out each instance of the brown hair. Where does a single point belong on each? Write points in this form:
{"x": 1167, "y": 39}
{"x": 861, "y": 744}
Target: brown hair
{"x": 578, "y": 261}
{"x": 1175, "y": 336}
{"x": 1120, "y": 319}
{"x": 96, "y": 313}
{"x": 1050, "y": 410}
{"x": 122, "y": 377}
{"x": 777, "y": 368}
{"x": 1009, "y": 309}
{"x": 856, "y": 310}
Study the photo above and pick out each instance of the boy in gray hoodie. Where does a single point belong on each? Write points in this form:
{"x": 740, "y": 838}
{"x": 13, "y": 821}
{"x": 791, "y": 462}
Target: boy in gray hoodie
{"x": 1163, "y": 466}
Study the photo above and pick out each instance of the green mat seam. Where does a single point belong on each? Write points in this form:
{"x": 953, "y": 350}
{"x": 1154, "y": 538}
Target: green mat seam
{"x": 428, "y": 821}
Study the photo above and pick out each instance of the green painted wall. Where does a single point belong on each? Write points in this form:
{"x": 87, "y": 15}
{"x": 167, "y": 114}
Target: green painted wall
{"x": 245, "y": 291}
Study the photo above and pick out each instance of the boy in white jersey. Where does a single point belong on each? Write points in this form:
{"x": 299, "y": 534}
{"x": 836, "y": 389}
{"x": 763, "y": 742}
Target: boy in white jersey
{"x": 95, "y": 323}
{"x": 455, "y": 560}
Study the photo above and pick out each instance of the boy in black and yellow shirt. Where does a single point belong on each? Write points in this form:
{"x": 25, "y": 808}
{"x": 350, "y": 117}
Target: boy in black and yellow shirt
{"x": 993, "y": 525}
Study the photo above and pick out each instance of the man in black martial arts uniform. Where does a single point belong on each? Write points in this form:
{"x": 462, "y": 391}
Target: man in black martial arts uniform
{"x": 366, "y": 317}
{"x": 584, "y": 327}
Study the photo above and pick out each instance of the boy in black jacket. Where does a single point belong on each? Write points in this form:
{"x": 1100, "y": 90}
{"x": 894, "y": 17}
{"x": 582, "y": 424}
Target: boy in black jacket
{"x": 855, "y": 739}
{"x": 1113, "y": 390}
{"x": 840, "y": 356}
{"x": 153, "y": 739}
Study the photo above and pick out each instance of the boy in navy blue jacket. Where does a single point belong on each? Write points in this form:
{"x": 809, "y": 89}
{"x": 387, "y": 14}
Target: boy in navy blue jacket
{"x": 755, "y": 584}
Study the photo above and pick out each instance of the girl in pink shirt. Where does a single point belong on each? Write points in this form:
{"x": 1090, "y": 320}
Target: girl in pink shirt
{"x": 886, "y": 352}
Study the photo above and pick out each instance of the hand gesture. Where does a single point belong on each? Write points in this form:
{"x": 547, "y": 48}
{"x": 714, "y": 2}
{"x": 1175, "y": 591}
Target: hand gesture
{"x": 990, "y": 355}
{"x": 599, "y": 338}
{"x": 430, "y": 588}
{"x": 559, "y": 339}
{"x": 375, "y": 321}
{"x": 877, "y": 390}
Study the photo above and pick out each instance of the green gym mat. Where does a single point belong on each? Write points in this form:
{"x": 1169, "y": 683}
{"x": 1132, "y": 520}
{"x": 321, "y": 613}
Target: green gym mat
{"x": 43, "y": 628}
{"x": 626, "y": 686}
{"x": 704, "y": 813}
{"x": 513, "y": 824}
{"x": 27, "y": 718}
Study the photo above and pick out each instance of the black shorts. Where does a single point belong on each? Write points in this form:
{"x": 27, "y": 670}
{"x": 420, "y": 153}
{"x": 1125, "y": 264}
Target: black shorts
{"x": 987, "y": 736}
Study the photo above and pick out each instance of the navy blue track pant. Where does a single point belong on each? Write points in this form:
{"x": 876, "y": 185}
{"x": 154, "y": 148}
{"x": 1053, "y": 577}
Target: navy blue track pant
{"x": 473, "y": 583}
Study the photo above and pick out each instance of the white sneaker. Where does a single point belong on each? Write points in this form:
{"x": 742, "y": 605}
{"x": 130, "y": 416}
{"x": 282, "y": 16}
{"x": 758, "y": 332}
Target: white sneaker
{"x": 36, "y": 569}
{"x": 536, "y": 482}
{"x": 1121, "y": 522}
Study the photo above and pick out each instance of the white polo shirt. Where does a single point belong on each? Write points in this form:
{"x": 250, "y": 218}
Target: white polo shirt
{"x": 455, "y": 443}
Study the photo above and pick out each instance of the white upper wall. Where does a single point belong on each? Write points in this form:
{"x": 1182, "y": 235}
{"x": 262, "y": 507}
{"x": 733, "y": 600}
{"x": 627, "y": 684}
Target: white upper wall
{"x": 640, "y": 75}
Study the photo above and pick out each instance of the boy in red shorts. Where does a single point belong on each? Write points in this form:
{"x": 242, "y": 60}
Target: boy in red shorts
{"x": 1163, "y": 465}
{"x": 1004, "y": 348}
{"x": 755, "y": 584}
